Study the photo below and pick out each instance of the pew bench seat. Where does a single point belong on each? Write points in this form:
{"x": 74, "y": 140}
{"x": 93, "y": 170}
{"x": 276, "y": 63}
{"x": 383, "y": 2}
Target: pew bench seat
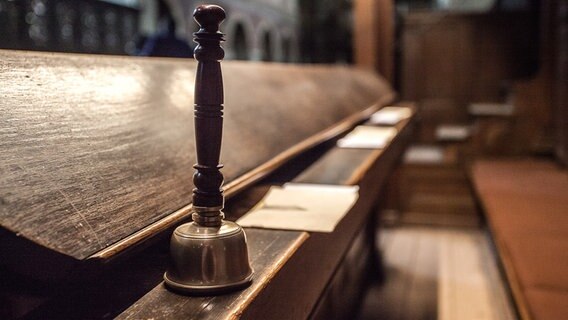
{"x": 526, "y": 205}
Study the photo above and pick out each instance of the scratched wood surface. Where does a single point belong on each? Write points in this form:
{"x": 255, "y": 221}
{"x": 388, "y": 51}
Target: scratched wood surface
{"x": 269, "y": 251}
{"x": 94, "y": 148}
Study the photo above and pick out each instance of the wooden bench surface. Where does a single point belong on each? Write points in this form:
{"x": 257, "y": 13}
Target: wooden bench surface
{"x": 268, "y": 249}
{"x": 526, "y": 204}
{"x": 96, "y": 152}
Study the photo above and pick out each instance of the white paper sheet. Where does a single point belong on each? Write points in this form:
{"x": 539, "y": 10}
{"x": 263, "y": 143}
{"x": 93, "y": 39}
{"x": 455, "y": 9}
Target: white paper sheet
{"x": 424, "y": 154}
{"x": 304, "y": 207}
{"x": 452, "y": 132}
{"x": 390, "y": 115}
{"x": 368, "y": 137}
{"x": 491, "y": 109}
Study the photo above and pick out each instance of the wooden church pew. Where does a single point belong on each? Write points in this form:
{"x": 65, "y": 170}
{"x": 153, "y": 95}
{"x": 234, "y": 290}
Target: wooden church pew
{"x": 96, "y": 166}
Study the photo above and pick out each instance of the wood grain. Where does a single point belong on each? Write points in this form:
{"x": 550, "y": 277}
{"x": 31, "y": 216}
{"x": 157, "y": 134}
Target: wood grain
{"x": 445, "y": 87}
{"x": 269, "y": 251}
{"x": 94, "y": 149}
{"x": 373, "y": 36}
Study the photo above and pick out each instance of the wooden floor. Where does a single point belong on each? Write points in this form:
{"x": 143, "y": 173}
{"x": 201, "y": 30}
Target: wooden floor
{"x": 437, "y": 273}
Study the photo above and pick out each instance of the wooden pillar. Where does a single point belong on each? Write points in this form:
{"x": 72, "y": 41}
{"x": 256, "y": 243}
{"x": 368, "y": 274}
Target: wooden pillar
{"x": 561, "y": 82}
{"x": 534, "y": 98}
{"x": 374, "y": 26}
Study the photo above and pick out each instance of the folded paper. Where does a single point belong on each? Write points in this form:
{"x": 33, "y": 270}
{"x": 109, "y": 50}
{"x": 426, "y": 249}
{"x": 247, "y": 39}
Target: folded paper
{"x": 368, "y": 137}
{"x": 317, "y": 208}
{"x": 390, "y": 115}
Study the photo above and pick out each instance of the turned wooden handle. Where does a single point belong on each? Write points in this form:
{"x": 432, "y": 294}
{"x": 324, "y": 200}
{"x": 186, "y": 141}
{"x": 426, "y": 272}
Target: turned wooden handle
{"x": 208, "y": 107}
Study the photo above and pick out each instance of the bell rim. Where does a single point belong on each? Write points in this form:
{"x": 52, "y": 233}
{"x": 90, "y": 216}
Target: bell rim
{"x": 207, "y": 289}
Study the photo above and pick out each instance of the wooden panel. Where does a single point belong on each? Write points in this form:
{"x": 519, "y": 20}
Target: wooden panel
{"x": 373, "y": 36}
{"x": 365, "y": 33}
{"x": 429, "y": 37}
{"x": 533, "y": 98}
{"x": 437, "y": 194}
{"x": 269, "y": 251}
{"x": 344, "y": 292}
{"x": 96, "y": 148}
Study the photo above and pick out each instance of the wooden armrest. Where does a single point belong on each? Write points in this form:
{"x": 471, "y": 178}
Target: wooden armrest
{"x": 269, "y": 250}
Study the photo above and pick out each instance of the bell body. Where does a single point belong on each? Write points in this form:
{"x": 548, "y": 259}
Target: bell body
{"x": 208, "y": 260}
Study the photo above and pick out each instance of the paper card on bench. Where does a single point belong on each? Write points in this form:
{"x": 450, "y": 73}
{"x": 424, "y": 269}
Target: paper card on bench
{"x": 303, "y": 207}
{"x": 390, "y": 115}
{"x": 367, "y": 137}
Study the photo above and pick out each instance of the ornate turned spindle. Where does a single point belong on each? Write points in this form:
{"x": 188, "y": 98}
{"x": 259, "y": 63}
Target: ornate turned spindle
{"x": 209, "y": 255}
{"x": 208, "y": 196}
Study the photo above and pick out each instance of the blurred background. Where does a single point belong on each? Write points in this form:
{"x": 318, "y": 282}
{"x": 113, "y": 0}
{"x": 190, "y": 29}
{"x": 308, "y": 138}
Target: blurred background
{"x": 480, "y": 70}
{"x": 269, "y": 30}
{"x": 489, "y": 78}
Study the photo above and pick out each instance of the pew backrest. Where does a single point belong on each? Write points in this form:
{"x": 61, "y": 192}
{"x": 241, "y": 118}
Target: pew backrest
{"x": 96, "y": 152}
